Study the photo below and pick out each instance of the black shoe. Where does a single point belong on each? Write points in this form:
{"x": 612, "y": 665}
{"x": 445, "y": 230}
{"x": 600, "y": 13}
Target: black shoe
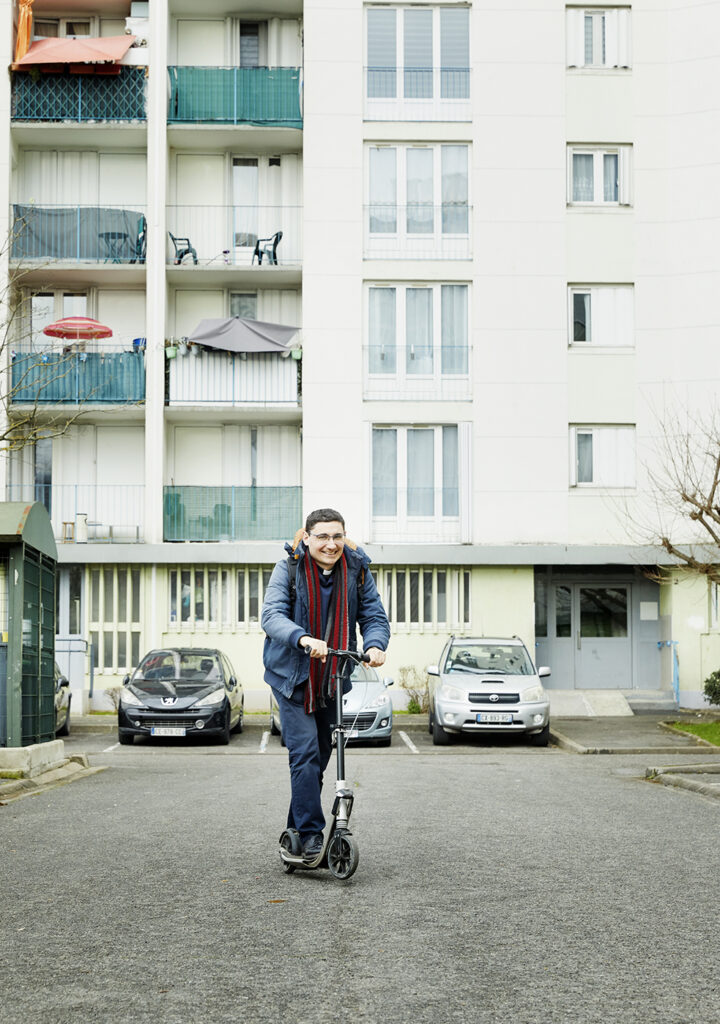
{"x": 312, "y": 847}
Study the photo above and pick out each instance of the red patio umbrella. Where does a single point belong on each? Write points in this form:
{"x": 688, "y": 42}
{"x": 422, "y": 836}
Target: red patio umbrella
{"x": 74, "y": 328}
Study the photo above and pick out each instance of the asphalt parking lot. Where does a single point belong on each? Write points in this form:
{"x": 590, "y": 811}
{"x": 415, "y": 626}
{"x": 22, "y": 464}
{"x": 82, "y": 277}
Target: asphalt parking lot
{"x": 497, "y": 882}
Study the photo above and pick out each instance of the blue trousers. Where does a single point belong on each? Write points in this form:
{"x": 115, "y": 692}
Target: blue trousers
{"x": 309, "y": 742}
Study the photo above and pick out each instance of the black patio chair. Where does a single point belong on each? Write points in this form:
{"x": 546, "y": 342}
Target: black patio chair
{"x": 269, "y": 250}
{"x": 183, "y": 248}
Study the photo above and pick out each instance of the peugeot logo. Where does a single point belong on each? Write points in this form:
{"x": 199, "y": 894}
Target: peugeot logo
{"x": 494, "y": 697}
{"x": 169, "y": 701}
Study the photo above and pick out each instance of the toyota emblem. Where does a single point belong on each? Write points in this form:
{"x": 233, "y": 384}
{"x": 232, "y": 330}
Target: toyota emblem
{"x": 494, "y": 697}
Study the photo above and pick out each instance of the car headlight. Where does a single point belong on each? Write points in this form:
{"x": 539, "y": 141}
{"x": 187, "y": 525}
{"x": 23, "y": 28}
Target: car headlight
{"x": 379, "y": 701}
{"x": 448, "y": 692}
{"x": 533, "y": 694}
{"x": 129, "y": 699}
{"x": 216, "y": 697}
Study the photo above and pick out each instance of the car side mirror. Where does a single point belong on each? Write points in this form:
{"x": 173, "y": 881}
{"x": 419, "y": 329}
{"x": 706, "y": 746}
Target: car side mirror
{"x": 232, "y": 682}
{"x": 388, "y": 681}
{"x": 432, "y": 670}
{"x": 62, "y": 681}
{"x": 544, "y": 672}
{"x": 126, "y": 680}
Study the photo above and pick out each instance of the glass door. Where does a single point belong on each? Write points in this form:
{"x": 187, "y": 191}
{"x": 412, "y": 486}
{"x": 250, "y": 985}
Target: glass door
{"x": 245, "y": 207}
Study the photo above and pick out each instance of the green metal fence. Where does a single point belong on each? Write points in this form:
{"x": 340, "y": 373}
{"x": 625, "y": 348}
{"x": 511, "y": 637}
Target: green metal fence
{"x": 231, "y": 513}
{"x": 95, "y": 377}
{"x": 259, "y": 96}
{"x": 66, "y": 97}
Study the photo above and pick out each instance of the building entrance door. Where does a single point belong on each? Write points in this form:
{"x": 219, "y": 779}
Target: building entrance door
{"x": 592, "y": 643}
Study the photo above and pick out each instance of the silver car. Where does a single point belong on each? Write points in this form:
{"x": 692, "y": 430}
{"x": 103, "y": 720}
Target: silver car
{"x": 487, "y": 685}
{"x": 367, "y": 709}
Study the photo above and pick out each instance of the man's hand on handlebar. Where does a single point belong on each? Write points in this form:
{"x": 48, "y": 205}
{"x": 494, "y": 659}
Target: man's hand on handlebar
{"x": 375, "y": 656}
{"x": 315, "y": 648}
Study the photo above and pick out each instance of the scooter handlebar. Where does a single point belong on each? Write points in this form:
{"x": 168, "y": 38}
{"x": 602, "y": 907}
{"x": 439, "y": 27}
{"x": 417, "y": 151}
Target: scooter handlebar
{"x": 355, "y": 655}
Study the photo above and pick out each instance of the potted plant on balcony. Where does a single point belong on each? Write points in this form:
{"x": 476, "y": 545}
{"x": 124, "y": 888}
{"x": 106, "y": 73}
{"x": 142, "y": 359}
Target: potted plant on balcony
{"x": 170, "y": 348}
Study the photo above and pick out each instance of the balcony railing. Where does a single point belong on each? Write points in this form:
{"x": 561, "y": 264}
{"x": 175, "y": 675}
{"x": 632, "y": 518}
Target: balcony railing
{"x": 417, "y": 372}
{"x": 418, "y": 231}
{"x": 257, "y": 96}
{"x": 90, "y": 513}
{"x": 231, "y": 513}
{"x": 223, "y": 378}
{"x": 78, "y": 234}
{"x": 417, "y": 94}
{"x": 228, "y": 234}
{"x": 65, "y": 97}
{"x": 75, "y": 375}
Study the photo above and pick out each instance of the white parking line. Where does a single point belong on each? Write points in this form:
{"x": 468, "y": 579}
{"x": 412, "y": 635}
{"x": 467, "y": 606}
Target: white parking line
{"x": 406, "y": 739}
{"x": 108, "y": 749}
{"x": 264, "y": 741}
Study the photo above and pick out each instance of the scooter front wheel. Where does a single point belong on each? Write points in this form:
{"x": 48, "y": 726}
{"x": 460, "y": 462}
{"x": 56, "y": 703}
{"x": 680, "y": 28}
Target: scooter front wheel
{"x": 342, "y": 855}
{"x": 290, "y": 841}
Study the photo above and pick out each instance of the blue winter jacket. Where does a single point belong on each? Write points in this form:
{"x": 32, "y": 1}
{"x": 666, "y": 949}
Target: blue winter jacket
{"x": 286, "y": 664}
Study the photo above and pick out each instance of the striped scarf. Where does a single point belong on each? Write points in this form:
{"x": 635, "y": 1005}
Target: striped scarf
{"x": 322, "y": 679}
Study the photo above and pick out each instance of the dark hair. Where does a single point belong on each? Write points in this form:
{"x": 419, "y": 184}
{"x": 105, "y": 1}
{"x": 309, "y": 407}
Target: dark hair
{"x": 323, "y": 515}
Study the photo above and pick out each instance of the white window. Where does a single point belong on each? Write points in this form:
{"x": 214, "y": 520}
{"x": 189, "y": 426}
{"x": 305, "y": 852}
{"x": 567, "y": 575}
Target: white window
{"x": 211, "y": 598}
{"x": 602, "y": 456}
{"x": 64, "y": 28}
{"x": 44, "y": 308}
{"x": 416, "y": 482}
{"x": 417, "y": 340}
{"x": 424, "y": 597}
{"x": 418, "y": 63}
{"x": 598, "y": 37}
{"x": 599, "y": 175}
{"x": 418, "y": 201}
{"x": 114, "y": 617}
{"x": 600, "y": 315}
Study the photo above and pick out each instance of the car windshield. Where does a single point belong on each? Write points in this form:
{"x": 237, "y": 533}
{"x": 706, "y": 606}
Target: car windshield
{"x": 180, "y": 666}
{"x": 503, "y": 659}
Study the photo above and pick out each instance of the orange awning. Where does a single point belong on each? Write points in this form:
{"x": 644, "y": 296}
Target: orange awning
{"x": 108, "y": 50}
{"x": 24, "y": 29}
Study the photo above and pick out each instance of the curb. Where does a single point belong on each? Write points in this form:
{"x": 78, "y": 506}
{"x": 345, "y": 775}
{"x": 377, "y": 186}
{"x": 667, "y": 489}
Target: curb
{"x": 565, "y": 743}
{"x": 74, "y": 768}
{"x": 674, "y": 776}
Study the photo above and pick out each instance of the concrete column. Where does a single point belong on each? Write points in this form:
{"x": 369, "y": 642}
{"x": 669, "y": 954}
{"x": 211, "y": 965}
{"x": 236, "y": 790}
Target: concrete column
{"x": 156, "y": 287}
{"x": 7, "y": 44}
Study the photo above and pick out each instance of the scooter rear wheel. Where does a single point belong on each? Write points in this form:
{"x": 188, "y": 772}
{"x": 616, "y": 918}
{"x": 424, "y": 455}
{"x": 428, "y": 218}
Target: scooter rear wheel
{"x": 290, "y": 841}
{"x": 342, "y": 855}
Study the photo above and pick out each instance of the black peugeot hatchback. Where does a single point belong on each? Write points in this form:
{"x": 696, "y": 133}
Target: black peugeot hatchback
{"x": 181, "y": 691}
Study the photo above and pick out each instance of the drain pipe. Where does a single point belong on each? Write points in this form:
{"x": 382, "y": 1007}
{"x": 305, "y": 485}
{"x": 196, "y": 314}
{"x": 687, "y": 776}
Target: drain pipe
{"x": 676, "y": 666}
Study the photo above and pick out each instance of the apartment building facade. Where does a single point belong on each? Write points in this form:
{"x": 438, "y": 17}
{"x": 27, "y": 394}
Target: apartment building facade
{"x": 496, "y": 247}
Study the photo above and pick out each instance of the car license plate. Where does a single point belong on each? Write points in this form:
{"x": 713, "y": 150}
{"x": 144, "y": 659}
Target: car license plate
{"x": 496, "y": 719}
{"x": 352, "y": 735}
{"x": 167, "y": 730}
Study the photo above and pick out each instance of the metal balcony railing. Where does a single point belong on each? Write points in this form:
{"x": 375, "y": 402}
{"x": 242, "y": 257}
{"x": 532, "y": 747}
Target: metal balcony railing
{"x": 417, "y": 94}
{"x": 230, "y": 234}
{"x": 228, "y": 379}
{"x": 79, "y": 234}
{"x": 231, "y": 513}
{"x": 418, "y": 231}
{"x": 90, "y": 513}
{"x": 413, "y": 372}
{"x": 257, "y": 96}
{"x": 66, "y": 97}
{"x": 77, "y": 376}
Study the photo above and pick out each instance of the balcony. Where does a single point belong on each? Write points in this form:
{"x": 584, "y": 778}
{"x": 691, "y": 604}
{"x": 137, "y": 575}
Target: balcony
{"x": 418, "y": 231}
{"x": 90, "y": 513}
{"x": 227, "y": 379}
{"x": 231, "y": 513}
{"x": 77, "y": 234}
{"x": 78, "y": 375}
{"x": 269, "y": 97}
{"x": 227, "y": 235}
{"x": 79, "y": 98}
{"x": 417, "y": 94}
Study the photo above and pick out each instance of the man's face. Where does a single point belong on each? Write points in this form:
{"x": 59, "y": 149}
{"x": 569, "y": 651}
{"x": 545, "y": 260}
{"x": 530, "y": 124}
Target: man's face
{"x": 325, "y": 543}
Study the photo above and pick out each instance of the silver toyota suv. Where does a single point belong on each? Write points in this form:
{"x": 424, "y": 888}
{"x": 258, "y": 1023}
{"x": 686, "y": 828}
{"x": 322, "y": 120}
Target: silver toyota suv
{"x": 488, "y": 685}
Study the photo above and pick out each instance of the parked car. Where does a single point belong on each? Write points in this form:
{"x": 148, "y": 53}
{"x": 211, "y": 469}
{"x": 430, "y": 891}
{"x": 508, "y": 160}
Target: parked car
{"x": 488, "y": 685}
{"x": 180, "y": 691}
{"x": 367, "y": 709}
{"x": 63, "y": 699}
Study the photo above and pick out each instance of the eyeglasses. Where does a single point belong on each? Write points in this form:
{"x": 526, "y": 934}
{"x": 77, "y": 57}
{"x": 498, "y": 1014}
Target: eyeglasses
{"x": 338, "y": 538}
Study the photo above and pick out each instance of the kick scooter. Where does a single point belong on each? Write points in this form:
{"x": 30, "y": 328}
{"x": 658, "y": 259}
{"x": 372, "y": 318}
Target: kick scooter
{"x": 339, "y": 852}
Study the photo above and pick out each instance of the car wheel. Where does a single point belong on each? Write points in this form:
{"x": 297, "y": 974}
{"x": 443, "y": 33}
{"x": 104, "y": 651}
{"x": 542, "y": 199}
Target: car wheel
{"x": 224, "y": 735}
{"x": 125, "y": 738}
{"x": 439, "y": 736}
{"x": 64, "y": 729}
{"x": 274, "y": 731}
{"x": 540, "y": 739}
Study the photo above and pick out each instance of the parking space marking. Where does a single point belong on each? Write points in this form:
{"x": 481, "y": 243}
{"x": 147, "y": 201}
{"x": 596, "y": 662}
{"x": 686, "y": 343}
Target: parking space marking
{"x": 406, "y": 739}
{"x": 264, "y": 742}
{"x": 113, "y": 747}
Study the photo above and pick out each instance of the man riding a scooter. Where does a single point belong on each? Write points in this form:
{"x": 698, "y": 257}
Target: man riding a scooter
{"x": 315, "y": 600}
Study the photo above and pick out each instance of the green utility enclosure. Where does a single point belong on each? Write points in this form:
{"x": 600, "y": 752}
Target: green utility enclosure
{"x": 28, "y": 559}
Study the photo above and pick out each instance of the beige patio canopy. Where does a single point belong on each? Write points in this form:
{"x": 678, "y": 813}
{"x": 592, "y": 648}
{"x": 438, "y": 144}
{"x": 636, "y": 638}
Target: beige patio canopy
{"x": 238, "y": 334}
